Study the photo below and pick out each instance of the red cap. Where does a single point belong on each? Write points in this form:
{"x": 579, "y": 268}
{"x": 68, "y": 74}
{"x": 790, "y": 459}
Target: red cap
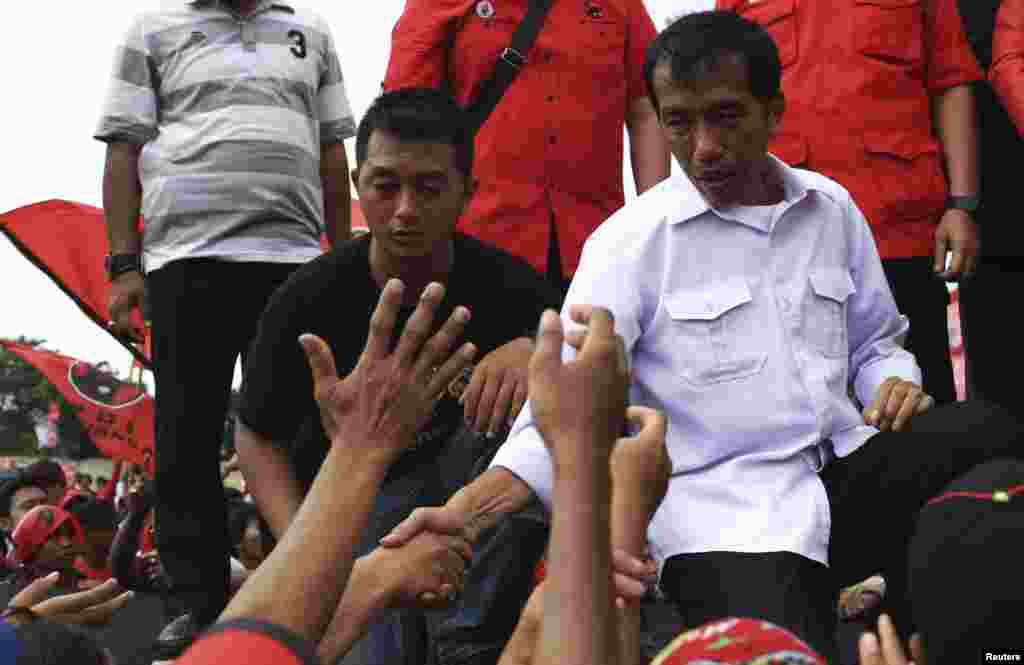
{"x": 36, "y": 527}
{"x": 738, "y": 642}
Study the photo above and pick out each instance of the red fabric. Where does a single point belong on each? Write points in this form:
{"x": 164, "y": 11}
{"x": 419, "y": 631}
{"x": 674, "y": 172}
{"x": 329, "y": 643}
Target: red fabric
{"x": 1007, "y": 71}
{"x": 736, "y": 642}
{"x": 36, "y": 527}
{"x": 68, "y": 241}
{"x": 118, "y": 416}
{"x": 230, "y": 647}
{"x": 554, "y": 144}
{"x": 858, "y": 76}
{"x": 97, "y": 574}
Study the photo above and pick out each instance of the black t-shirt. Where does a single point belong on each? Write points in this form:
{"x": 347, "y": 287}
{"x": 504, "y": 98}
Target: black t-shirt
{"x": 334, "y": 297}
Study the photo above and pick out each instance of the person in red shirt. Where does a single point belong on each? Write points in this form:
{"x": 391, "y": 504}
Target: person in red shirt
{"x": 996, "y": 31}
{"x": 878, "y": 99}
{"x": 549, "y": 158}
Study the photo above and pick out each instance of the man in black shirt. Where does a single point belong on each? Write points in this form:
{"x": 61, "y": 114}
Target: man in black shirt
{"x": 413, "y": 176}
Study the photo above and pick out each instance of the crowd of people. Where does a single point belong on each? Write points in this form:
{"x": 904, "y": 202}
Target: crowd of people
{"x": 522, "y": 421}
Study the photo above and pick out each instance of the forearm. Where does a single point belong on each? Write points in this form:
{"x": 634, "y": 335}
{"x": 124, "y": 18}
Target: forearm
{"x": 334, "y": 178}
{"x": 302, "y": 581}
{"x": 958, "y": 134}
{"x": 365, "y": 599}
{"x": 579, "y": 627}
{"x": 269, "y": 477}
{"x": 123, "y": 552}
{"x": 122, "y": 198}
{"x": 629, "y": 533}
{"x": 648, "y": 152}
{"x": 495, "y": 493}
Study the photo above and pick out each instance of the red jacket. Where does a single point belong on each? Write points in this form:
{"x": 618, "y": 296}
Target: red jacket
{"x": 554, "y": 144}
{"x": 1007, "y": 71}
{"x": 859, "y": 77}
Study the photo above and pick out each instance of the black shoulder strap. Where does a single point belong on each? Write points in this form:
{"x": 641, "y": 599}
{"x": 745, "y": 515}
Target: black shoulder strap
{"x": 511, "y": 60}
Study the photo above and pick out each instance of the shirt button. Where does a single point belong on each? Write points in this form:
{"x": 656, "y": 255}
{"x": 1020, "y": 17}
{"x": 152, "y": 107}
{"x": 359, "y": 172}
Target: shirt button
{"x": 551, "y": 98}
{"x": 552, "y": 140}
{"x": 709, "y": 307}
{"x": 785, "y": 304}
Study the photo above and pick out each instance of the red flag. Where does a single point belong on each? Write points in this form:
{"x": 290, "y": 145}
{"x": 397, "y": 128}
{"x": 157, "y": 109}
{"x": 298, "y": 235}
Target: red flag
{"x": 68, "y": 242}
{"x": 117, "y": 415}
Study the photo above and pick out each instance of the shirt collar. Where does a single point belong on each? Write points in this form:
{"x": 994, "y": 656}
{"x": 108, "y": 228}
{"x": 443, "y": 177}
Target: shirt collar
{"x": 690, "y": 204}
{"x": 283, "y": 6}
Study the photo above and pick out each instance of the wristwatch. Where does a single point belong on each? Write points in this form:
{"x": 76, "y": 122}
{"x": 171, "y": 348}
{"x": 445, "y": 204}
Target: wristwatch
{"x": 119, "y": 264}
{"x": 968, "y": 203}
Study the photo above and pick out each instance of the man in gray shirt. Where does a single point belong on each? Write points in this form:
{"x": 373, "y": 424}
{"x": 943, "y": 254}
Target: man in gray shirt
{"x": 224, "y": 128}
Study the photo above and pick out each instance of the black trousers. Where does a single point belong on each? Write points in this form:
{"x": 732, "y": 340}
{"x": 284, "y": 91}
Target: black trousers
{"x": 995, "y": 360}
{"x": 874, "y": 496}
{"x": 922, "y": 297}
{"x": 204, "y": 314}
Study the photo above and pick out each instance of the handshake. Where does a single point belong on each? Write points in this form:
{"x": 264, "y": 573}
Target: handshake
{"x": 580, "y": 408}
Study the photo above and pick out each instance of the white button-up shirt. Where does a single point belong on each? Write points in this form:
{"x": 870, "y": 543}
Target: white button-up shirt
{"x": 747, "y": 326}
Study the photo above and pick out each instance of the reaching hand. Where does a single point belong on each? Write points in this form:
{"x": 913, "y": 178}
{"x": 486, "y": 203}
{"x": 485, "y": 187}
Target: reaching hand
{"x": 497, "y": 390}
{"x": 427, "y": 572}
{"x": 85, "y": 608}
{"x": 390, "y": 396}
{"x": 640, "y": 464}
{"x": 582, "y": 401}
{"x": 897, "y": 403}
{"x": 885, "y": 649}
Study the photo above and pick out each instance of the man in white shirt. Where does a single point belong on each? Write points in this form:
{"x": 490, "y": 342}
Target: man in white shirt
{"x": 751, "y": 297}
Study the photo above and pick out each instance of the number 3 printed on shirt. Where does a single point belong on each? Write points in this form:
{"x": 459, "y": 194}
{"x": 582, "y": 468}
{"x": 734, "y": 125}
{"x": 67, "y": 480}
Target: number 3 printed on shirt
{"x": 299, "y": 50}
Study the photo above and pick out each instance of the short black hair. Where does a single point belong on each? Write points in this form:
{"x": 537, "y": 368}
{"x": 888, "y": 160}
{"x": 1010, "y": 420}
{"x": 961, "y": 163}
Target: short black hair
{"x": 46, "y": 472}
{"x": 94, "y": 514}
{"x": 11, "y": 487}
{"x": 418, "y": 115}
{"x": 694, "y": 44}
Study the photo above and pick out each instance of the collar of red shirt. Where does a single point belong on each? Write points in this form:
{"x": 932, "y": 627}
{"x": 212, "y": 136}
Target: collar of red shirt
{"x": 690, "y": 204}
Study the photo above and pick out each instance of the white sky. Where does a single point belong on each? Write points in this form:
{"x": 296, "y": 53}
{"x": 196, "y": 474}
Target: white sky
{"x": 56, "y": 63}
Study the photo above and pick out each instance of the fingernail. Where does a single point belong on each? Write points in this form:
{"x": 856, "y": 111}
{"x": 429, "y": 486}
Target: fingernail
{"x": 53, "y": 576}
{"x": 462, "y": 315}
{"x": 869, "y": 643}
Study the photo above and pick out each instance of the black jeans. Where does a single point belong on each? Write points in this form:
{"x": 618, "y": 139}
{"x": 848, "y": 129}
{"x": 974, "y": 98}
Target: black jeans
{"x": 874, "y": 496}
{"x": 922, "y": 297}
{"x": 995, "y": 361}
{"x": 204, "y": 314}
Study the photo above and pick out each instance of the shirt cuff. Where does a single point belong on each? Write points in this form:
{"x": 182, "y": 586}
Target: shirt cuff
{"x": 525, "y": 455}
{"x": 871, "y": 376}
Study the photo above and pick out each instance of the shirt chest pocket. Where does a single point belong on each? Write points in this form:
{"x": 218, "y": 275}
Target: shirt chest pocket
{"x": 824, "y": 312}
{"x": 714, "y": 330}
{"x": 889, "y": 30}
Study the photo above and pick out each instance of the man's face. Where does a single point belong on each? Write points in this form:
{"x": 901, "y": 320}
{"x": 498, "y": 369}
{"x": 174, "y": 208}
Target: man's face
{"x": 59, "y": 550}
{"x": 717, "y": 129}
{"x": 23, "y": 501}
{"x": 411, "y": 194}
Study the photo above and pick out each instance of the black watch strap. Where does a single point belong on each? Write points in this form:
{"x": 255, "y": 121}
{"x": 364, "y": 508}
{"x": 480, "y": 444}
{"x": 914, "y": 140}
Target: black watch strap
{"x": 968, "y": 203}
{"x": 119, "y": 264}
